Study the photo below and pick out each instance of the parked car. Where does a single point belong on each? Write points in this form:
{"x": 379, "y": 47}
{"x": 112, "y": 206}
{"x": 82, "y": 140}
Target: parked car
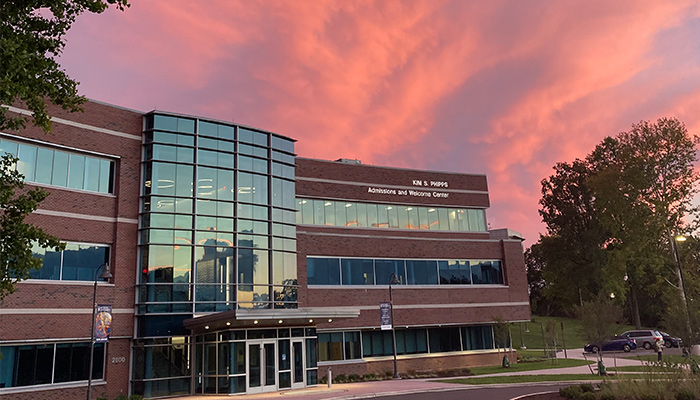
{"x": 616, "y": 343}
{"x": 671, "y": 341}
{"x": 643, "y": 337}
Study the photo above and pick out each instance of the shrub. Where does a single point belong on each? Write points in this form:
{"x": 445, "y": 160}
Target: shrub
{"x": 340, "y": 378}
{"x": 685, "y": 394}
{"x": 586, "y": 387}
{"x": 369, "y": 377}
{"x": 608, "y": 396}
{"x": 353, "y": 377}
{"x": 135, "y": 397}
{"x": 323, "y": 380}
{"x": 571, "y": 392}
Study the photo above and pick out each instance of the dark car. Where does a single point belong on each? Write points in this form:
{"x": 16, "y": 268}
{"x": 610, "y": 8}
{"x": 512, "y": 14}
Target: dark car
{"x": 671, "y": 341}
{"x": 616, "y": 343}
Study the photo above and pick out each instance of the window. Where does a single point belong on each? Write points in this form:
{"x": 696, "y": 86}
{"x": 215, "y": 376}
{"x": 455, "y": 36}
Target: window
{"x": 346, "y": 213}
{"x": 323, "y": 271}
{"x": 28, "y": 365}
{"x": 78, "y": 262}
{"x": 368, "y": 271}
{"x": 58, "y": 168}
{"x": 357, "y": 271}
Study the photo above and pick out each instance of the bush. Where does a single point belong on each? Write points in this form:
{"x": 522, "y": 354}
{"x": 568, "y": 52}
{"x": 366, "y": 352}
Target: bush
{"x": 571, "y": 392}
{"x": 685, "y": 394}
{"x": 369, "y": 377}
{"x": 340, "y": 378}
{"x": 584, "y": 391}
{"x": 608, "y": 396}
{"x": 586, "y": 387}
{"x": 135, "y": 397}
{"x": 353, "y": 377}
{"x": 323, "y": 380}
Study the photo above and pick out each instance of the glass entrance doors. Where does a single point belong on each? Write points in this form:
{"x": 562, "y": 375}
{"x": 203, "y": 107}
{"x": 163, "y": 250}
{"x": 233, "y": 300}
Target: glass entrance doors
{"x": 298, "y": 364}
{"x": 262, "y": 366}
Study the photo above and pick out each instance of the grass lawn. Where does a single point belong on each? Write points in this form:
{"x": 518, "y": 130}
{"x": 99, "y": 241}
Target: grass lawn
{"x": 528, "y": 366}
{"x": 492, "y": 380}
{"x": 642, "y": 368}
{"x": 534, "y": 338}
{"x": 672, "y": 358}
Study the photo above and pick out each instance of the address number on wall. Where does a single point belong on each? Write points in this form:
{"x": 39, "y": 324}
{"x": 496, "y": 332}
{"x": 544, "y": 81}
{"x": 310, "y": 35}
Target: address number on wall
{"x": 117, "y": 360}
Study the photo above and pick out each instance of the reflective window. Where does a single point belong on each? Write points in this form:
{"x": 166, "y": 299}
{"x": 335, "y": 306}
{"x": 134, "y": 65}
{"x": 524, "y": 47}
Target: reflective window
{"x": 421, "y": 272}
{"x": 323, "y": 271}
{"x": 78, "y": 262}
{"x": 58, "y": 168}
{"x": 345, "y": 213}
{"x": 357, "y": 271}
{"x": 367, "y": 271}
{"x": 28, "y": 365}
{"x": 384, "y": 269}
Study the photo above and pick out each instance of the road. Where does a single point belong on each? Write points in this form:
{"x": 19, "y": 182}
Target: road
{"x": 481, "y": 393}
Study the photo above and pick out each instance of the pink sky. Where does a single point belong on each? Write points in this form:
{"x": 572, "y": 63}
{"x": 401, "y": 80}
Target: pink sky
{"x": 502, "y": 88}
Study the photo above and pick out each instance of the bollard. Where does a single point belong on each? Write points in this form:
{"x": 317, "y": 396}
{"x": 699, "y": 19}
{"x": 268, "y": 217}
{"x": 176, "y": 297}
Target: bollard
{"x": 330, "y": 378}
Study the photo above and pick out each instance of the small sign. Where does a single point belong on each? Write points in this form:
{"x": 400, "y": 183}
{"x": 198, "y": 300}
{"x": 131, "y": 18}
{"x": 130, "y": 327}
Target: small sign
{"x": 385, "y": 316}
{"x": 103, "y": 323}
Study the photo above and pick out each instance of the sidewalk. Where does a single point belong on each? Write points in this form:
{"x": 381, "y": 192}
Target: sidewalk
{"x": 366, "y": 390}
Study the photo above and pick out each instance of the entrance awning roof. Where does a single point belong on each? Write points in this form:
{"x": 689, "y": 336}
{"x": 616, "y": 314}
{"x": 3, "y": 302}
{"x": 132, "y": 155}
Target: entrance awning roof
{"x": 252, "y": 318}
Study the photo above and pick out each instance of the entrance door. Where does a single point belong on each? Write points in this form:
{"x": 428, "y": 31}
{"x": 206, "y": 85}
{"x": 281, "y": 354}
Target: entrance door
{"x": 297, "y": 364}
{"x": 262, "y": 366}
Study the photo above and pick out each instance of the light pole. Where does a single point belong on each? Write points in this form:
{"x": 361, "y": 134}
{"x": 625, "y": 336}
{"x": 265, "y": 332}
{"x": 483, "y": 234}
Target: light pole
{"x": 679, "y": 275}
{"x": 104, "y": 275}
{"x": 394, "y": 281}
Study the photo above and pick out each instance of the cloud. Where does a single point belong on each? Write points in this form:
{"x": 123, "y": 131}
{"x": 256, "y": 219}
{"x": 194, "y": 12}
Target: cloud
{"x": 502, "y": 88}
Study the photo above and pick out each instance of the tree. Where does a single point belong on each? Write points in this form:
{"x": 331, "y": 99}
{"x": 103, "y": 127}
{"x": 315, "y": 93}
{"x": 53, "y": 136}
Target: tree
{"x": 642, "y": 195}
{"x": 597, "y": 318}
{"x": 31, "y": 37}
{"x": 16, "y": 236}
{"x": 610, "y": 219}
{"x": 575, "y": 237}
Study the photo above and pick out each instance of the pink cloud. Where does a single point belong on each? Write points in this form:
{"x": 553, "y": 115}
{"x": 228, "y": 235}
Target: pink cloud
{"x": 502, "y": 88}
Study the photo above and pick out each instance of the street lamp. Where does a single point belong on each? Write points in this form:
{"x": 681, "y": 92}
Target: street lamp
{"x": 104, "y": 275}
{"x": 394, "y": 281}
{"x": 679, "y": 275}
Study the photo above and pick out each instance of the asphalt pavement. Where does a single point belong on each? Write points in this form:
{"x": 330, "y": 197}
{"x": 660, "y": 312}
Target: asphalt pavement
{"x": 405, "y": 387}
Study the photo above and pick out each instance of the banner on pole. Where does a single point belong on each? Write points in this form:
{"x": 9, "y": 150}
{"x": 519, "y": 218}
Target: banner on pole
{"x": 103, "y": 323}
{"x": 385, "y": 316}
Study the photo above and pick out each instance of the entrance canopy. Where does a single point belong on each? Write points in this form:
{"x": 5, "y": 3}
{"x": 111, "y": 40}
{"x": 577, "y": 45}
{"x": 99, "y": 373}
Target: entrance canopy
{"x": 247, "y": 318}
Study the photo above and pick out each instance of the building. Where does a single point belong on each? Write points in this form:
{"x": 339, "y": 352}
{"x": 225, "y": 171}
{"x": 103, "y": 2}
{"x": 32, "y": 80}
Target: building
{"x": 241, "y": 268}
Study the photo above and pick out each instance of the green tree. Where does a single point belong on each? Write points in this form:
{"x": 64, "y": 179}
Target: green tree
{"x": 642, "y": 195}
{"x": 31, "y": 37}
{"x": 17, "y": 236}
{"x": 574, "y": 240}
{"x": 598, "y": 317}
{"x": 610, "y": 219}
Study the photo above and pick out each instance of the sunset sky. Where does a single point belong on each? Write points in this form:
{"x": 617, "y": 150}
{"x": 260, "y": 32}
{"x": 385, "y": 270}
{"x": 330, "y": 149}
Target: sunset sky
{"x": 502, "y": 88}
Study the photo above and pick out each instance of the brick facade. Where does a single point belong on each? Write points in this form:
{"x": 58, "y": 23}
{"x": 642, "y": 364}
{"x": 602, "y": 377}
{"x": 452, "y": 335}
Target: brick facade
{"x": 420, "y": 306}
{"x": 59, "y": 311}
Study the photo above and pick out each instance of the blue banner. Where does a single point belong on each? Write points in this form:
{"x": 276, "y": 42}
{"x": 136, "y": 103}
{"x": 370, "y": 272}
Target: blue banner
{"x": 103, "y": 323}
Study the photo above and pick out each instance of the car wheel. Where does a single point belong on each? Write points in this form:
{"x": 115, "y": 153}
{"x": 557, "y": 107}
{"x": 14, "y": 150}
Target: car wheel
{"x": 647, "y": 345}
{"x": 595, "y": 349}
{"x": 667, "y": 343}
{"x": 626, "y": 348}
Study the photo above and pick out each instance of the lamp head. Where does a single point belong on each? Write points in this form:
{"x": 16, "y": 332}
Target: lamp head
{"x": 394, "y": 279}
{"x": 681, "y": 238}
{"x": 105, "y": 272}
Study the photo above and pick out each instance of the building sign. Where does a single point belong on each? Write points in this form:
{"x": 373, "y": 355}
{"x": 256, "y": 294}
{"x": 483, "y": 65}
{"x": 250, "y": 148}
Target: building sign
{"x": 103, "y": 323}
{"x": 415, "y": 192}
{"x": 385, "y": 316}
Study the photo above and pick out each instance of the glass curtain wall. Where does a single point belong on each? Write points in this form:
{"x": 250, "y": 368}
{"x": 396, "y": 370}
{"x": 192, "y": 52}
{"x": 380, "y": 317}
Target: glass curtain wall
{"x": 217, "y": 222}
{"x": 370, "y": 215}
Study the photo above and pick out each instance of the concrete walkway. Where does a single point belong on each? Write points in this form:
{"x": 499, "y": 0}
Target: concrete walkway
{"x": 366, "y": 390}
